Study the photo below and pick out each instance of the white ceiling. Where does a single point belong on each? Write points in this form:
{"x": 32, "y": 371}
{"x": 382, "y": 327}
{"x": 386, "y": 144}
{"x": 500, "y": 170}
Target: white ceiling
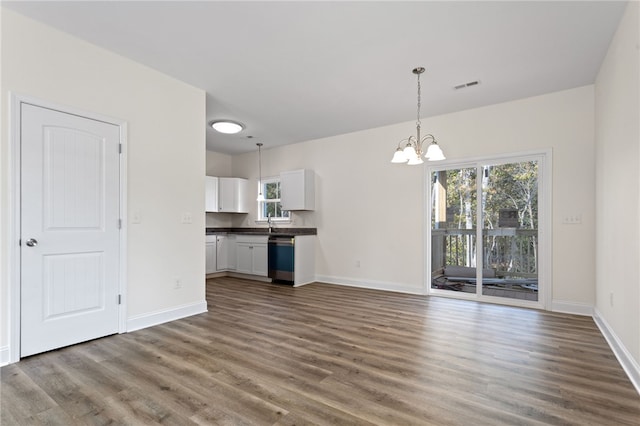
{"x": 296, "y": 71}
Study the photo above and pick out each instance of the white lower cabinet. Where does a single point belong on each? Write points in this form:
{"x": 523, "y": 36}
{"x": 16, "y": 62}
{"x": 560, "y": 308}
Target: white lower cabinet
{"x": 260, "y": 257}
{"x": 251, "y": 255}
{"x": 244, "y": 256}
{"x": 222, "y": 253}
{"x": 231, "y": 252}
{"x": 210, "y": 250}
{"x": 304, "y": 260}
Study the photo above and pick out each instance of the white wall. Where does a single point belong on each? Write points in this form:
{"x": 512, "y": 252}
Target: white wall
{"x": 218, "y": 164}
{"x": 618, "y": 186}
{"x": 166, "y": 162}
{"x": 371, "y": 211}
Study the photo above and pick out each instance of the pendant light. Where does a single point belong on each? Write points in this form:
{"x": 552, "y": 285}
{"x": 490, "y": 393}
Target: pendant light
{"x": 409, "y": 150}
{"x": 260, "y": 194}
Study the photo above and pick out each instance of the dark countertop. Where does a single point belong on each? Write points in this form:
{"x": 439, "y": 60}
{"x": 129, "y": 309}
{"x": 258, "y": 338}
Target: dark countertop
{"x": 289, "y": 232}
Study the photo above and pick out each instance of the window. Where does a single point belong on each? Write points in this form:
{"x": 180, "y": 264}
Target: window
{"x": 271, "y": 206}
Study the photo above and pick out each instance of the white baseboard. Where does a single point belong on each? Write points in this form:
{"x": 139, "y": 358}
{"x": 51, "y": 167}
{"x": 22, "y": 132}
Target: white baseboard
{"x": 568, "y": 307}
{"x": 629, "y": 365}
{"x": 5, "y": 357}
{"x": 369, "y": 284}
{"x": 159, "y": 317}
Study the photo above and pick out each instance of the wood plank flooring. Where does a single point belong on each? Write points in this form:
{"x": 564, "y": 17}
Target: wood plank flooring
{"x": 269, "y": 354}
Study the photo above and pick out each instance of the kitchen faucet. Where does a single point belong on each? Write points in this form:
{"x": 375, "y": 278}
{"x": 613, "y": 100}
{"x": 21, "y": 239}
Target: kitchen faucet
{"x": 269, "y": 222}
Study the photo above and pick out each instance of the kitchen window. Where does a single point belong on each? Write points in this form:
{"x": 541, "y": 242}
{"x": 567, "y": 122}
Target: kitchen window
{"x": 271, "y": 206}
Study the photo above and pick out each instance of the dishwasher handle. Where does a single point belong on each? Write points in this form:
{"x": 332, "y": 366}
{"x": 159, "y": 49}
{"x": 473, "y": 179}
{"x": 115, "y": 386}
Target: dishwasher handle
{"x": 282, "y": 241}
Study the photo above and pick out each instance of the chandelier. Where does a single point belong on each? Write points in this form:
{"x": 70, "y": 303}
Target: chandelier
{"x": 409, "y": 150}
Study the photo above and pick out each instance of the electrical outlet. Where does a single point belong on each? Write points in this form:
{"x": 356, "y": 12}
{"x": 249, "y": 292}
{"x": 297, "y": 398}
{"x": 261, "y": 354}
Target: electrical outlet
{"x": 187, "y": 218}
{"x": 357, "y": 263}
{"x": 177, "y": 284}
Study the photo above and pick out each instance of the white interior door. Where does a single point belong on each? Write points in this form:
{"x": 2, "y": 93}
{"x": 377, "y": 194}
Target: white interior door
{"x": 69, "y": 229}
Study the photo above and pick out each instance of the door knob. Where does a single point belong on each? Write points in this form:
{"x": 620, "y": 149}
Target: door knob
{"x": 31, "y": 242}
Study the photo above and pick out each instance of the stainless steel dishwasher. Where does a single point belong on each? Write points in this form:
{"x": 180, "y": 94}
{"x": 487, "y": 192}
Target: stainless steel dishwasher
{"x": 281, "y": 258}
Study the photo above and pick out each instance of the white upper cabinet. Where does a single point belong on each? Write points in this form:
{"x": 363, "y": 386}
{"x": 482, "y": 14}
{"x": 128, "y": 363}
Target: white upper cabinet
{"x": 298, "y": 190}
{"x": 211, "y": 194}
{"x": 226, "y": 195}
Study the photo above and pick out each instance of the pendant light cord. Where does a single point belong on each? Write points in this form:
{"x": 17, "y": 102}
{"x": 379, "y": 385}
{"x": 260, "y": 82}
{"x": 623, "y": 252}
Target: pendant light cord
{"x": 260, "y": 166}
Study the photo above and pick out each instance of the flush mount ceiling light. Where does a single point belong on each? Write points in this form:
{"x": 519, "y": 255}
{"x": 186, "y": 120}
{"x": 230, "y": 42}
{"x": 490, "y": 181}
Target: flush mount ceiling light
{"x": 226, "y": 126}
{"x": 409, "y": 150}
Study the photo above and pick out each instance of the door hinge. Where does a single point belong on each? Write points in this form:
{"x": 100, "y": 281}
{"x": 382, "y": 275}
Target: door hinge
{"x": 119, "y": 223}
{"x": 119, "y": 148}
{"x": 119, "y": 299}
{"x": 20, "y": 242}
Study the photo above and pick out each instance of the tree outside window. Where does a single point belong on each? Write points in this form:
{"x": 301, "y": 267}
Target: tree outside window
{"x": 271, "y": 206}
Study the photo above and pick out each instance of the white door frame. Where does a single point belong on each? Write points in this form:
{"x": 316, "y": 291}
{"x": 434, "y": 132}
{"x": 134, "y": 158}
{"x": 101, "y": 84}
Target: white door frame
{"x": 544, "y": 225}
{"x": 14, "y": 212}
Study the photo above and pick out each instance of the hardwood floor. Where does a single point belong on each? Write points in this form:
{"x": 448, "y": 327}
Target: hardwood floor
{"x": 269, "y": 354}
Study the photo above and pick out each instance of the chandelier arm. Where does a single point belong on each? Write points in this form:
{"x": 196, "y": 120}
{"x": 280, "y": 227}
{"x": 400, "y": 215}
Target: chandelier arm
{"x": 405, "y": 141}
{"x": 429, "y": 136}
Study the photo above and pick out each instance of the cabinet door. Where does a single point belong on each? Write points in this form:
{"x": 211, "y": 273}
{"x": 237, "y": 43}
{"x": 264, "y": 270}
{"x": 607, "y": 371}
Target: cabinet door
{"x": 221, "y": 253}
{"x": 232, "y": 195}
{"x": 244, "y": 258}
{"x": 210, "y": 258}
{"x": 260, "y": 260}
{"x": 232, "y": 258}
{"x": 226, "y": 195}
{"x": 211, "y": 194}
{"x": 298, "y": 190}
{"x": 241, "y": 191}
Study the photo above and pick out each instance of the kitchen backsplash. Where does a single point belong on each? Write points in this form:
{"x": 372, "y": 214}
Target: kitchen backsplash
{"x": 300, "y": 219}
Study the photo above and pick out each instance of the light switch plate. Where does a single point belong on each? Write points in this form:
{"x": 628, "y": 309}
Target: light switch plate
{"x": 574, "y": 219}
{"x": 136, "y": 218}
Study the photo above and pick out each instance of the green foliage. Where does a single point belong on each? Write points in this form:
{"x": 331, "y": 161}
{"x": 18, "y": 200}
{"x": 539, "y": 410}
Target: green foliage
{"x": 505, "y": 186}
{"x": 271, "y": 207}
{"x": 512, "y": 186}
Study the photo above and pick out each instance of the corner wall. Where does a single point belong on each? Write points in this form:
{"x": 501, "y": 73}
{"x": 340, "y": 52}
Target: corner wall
{"x": 165, "y": 151}
{"x": 617, "y": 128}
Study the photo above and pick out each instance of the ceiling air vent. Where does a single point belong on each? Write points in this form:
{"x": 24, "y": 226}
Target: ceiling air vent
{"x": 469, "y": 84}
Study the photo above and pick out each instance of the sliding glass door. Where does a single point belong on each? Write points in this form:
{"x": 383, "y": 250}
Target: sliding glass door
{"x": 485, "y": 230}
